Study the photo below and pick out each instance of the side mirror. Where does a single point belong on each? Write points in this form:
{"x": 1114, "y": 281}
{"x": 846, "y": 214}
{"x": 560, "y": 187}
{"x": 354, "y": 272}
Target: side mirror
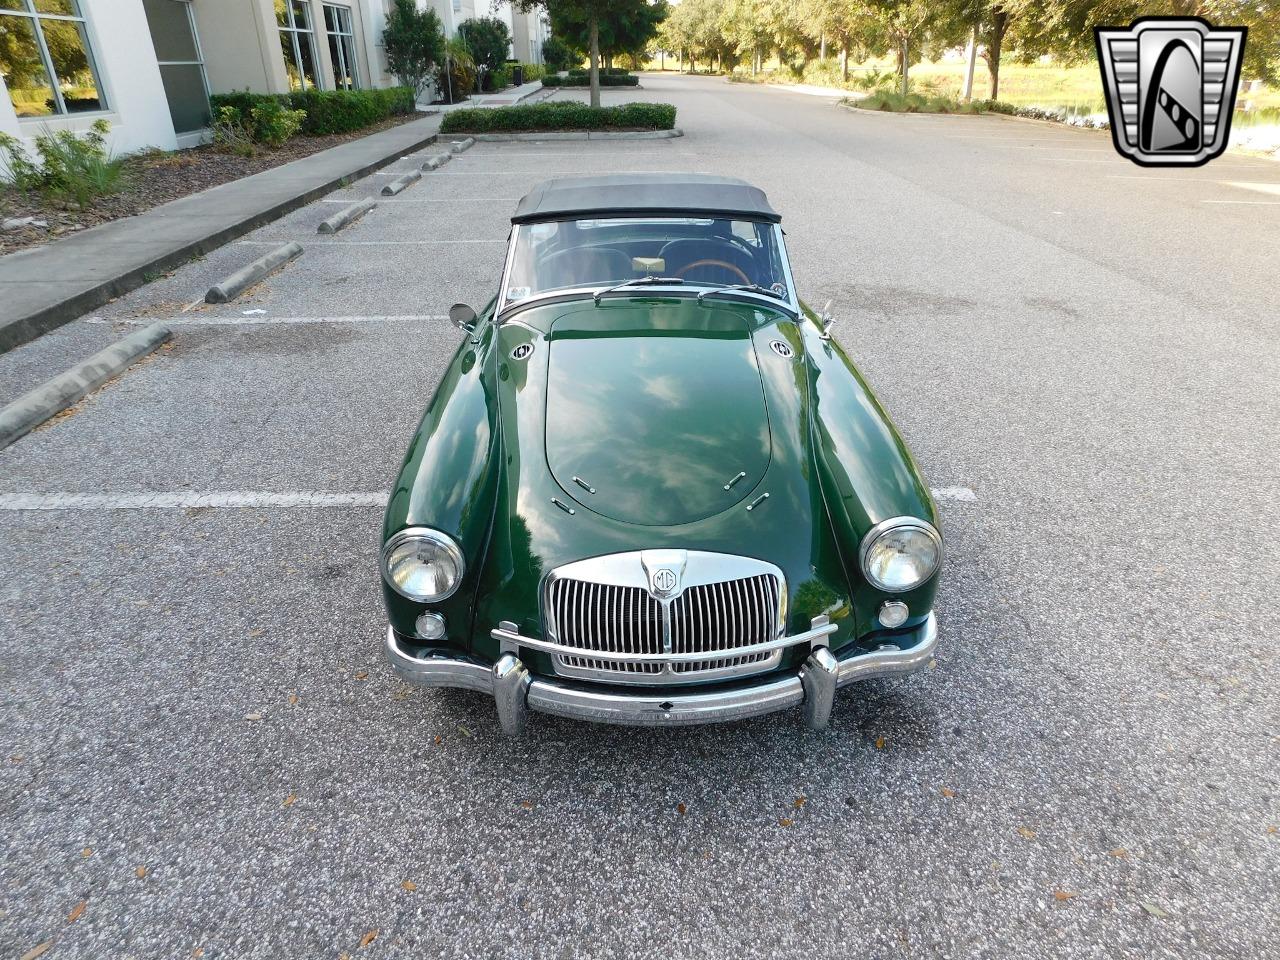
{"x": 828, "y": 321}
{"x": 463, "y": 317}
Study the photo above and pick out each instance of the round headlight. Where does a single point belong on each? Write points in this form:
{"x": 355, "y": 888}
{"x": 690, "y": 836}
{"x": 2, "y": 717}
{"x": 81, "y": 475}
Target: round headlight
{"x": 900, "y": 554}
{"x": 422, "y": 564}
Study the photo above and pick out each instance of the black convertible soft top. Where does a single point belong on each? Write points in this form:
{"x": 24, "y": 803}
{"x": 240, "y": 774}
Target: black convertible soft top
{"x": 644, "y": 194}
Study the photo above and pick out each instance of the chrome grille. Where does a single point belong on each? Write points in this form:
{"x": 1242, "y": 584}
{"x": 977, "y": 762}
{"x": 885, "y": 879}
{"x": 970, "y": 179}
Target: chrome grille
{"x": 713, "y": 618}
{"x": 717, "y": 617}
{"x": 601, "y": 616}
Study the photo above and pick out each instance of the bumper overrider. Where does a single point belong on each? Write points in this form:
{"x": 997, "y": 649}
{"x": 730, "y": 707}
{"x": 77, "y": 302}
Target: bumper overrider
{"x": 516, "y": 691}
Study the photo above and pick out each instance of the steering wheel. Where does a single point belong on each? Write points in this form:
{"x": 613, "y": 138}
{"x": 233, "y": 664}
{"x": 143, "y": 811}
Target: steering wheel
{"x": 712, "y": 263}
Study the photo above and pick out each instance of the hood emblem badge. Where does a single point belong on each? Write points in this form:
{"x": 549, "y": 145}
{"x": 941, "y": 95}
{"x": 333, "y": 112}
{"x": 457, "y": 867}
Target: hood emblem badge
{"x": 664, "y": 569}
{"x": 782, "y": 349}
{"x": 664, "y": 581}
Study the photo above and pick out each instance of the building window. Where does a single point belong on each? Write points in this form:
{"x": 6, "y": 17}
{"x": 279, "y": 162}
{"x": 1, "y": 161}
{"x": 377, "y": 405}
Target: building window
{"x": 297, "y": 42}
{"x": 342, "y": 47}
{"x": 173, "y": 34}
{"x": 45, "y": 58}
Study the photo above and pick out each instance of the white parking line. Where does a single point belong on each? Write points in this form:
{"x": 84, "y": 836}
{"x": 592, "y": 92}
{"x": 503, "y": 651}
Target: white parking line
{"x": 1254, "y": 185}
{"x": 362, "y": 243}
{"x": 1248, "y": 203}
{"x": 347, "y": 201}
{"x": 188, "y": 499}
{"x": 958, "y": 494}
{"x": 199, "y": 321}
{"x": 249, "y": 499}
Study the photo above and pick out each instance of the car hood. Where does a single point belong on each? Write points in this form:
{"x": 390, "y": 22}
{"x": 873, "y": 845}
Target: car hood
{"x": 586, "y": 365}
{"x": 655, "y": 417}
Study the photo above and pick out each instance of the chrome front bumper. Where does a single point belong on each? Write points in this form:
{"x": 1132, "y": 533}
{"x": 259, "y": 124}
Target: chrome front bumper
{"x": 516, "y": 692}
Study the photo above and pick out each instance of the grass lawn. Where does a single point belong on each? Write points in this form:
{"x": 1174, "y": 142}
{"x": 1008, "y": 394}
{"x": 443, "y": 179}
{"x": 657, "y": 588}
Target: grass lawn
{"x": 1076, "y": 88}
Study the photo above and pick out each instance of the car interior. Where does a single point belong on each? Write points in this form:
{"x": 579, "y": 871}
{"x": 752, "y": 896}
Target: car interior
{"x": 588, "y": 253}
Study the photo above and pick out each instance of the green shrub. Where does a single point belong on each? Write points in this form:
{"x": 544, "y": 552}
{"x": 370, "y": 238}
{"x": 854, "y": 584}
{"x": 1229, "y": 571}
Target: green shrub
{"x": 73, "y": 168}
{"x": 557, "y": 55}
{"x": 888, "y": 100}
{"x": 488, "y": 39}
{"x": 414, "y": 44}
{"x": 230, "y": 134}
{"x": 16, "y": 165}
{"x": 584, "y": 80}
{"x": 604, "y": 71}
{"x": 457, "y": 76}
{"x": 273, "y": 124}
{"x": 323, "y": 111}
{"x": 533, "y": 71}
{"x": 561, "y": 116}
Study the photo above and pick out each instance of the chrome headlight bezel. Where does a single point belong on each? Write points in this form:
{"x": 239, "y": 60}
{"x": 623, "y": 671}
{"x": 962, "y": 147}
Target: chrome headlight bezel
{"x": 441, "y": 541}
{"x": 892, "y": 525}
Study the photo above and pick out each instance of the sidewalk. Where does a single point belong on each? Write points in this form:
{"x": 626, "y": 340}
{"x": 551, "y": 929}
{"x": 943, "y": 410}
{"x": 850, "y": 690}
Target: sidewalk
{"x": 43, "y": 288}
{"x": 504, "y": 98}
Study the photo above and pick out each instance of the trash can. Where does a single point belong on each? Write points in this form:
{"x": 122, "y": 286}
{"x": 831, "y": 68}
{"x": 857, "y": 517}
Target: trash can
{"x": 517, "y": 71}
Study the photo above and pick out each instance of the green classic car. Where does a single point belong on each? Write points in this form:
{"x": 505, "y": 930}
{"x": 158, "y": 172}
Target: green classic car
{"x": 651, "y": 488}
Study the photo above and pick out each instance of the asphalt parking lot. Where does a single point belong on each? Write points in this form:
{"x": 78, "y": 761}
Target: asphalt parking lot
{"x": 202, "y": 743}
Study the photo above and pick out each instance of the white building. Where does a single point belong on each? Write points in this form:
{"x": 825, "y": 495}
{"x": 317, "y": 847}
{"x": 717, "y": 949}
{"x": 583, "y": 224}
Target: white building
{"x": 148, "y": 66}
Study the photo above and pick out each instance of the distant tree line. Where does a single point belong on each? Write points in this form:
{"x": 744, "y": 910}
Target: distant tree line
{"x": 721, "y": 34}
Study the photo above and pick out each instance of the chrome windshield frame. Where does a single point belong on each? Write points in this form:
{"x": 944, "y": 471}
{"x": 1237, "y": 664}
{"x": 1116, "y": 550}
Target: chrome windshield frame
{"x": 506, "y": 309}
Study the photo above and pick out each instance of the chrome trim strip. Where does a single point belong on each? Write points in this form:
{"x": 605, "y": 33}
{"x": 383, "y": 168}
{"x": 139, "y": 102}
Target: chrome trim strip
{"x": 581, "y": 293}
{"x": 515, "y": 638}
{"x": 548, "y": 695}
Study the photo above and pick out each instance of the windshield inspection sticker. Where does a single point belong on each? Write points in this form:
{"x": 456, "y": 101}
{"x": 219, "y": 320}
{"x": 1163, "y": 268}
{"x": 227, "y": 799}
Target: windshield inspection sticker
{"x": 517, "y": 293}
{"x": 1171, "y": 86}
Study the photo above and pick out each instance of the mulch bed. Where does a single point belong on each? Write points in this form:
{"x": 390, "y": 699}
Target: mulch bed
{"x": 157, "y": 178}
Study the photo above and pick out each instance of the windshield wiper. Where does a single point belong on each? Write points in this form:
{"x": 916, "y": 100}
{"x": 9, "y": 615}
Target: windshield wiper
{"x": 750, "y": 287}
{"x": 638, "y": 282}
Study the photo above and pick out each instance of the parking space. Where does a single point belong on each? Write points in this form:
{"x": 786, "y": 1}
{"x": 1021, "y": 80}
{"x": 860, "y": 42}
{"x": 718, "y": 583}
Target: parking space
{"x": 201, "y": 741}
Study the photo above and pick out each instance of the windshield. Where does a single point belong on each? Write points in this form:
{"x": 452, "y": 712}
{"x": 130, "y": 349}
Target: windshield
{"x": 700, "y": 253}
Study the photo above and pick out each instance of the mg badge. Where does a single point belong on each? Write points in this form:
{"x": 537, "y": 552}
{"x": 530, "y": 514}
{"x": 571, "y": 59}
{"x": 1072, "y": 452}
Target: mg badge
{"x": 1171, "y": 86}
{"x": 664, "y": 581}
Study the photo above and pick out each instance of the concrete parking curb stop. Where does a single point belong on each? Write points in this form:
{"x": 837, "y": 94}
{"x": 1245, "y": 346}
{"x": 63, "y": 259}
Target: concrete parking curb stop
{"x": 45, "y": 287}
{"x": 436, "y": 162}
{"x": 459, "y": 145}
{"x": 583, "y": 135}
{"x": 51, "y": 398}
{"x": 347, "y": 215}
{"x": 230, "y": 288}
{"x": 398, "y": 184}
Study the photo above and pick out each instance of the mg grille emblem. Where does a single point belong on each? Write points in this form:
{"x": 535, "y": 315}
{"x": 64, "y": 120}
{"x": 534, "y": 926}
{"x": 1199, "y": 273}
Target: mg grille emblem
{"x": 1171, "y": 86}
{"x": 664, "y": 581}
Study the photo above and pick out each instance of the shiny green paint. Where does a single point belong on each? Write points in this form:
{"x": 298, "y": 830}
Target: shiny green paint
{"x": 808, "y": 432}
{"x": 630, "y": 396}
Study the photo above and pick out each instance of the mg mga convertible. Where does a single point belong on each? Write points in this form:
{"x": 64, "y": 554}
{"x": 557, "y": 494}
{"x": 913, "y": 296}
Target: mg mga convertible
{"x": 651, "y": 488}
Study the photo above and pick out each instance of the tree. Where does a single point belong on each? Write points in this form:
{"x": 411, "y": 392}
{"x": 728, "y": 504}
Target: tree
{"x": 558, "y": 55}
{"x": 489, "y": 41}
{"x": 414, "y": 41}
{"x": 631, "y": 26}
{"x": 905, "y": 23}
{"x": 588, "y": 18}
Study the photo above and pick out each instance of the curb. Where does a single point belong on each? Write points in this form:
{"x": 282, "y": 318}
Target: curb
{"x": 436, "y": 162}
{"x": 24, "y": 329}
{"x": 583, "y": 135}
{"x": 346, "y": 216}
{"x": 52, "y": 397}
{"x": 399, "y": 184}
{"x": 230, "y": 288}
